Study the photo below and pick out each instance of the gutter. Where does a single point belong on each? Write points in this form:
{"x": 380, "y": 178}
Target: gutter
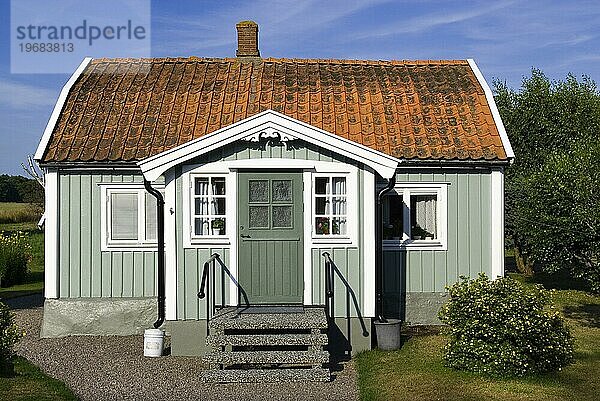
{"x": 160, "y": 211}
{"x": 379, "y": 252}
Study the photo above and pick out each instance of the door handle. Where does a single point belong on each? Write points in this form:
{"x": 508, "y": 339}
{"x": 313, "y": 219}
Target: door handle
{"x": 244, "y": 236}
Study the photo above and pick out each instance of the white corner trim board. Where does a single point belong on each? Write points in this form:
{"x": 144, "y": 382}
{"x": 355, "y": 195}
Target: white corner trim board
{"x": 369, "y": 245}
{"x": 51, "y": 235}
{"x": 41, "y": 149}
{"x": 494, "y": 109}
{"x": 170, "y": 246}
{"x": 268, "y": 121}
{"x": 497, "y": 223}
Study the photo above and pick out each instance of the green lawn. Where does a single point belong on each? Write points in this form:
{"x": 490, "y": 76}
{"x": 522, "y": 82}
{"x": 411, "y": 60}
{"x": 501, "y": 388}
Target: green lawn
{"x": 416, "y": 372}
{"x": 34, "y": 282}
{"x": 28, "y": 383}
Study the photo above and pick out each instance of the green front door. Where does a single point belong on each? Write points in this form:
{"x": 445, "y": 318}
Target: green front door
{"x": 270, "y": 252}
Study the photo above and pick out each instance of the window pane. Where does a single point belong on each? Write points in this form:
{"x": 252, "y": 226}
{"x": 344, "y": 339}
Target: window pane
{"x": 151, "y": 226}
{"x": 282, "y": 216}
{"x": 282, "y": 190}
{"x": 201, "y": 226}
{"x": 393, "y": 217}
{"x": 218, "y": 205}
{"x": 322, "y": 185}
{"x": 258, "y": 217}
{"x": 321, "y": 205}
{"x": 258, "y": 191}
{"x": 339, "y": 185}
{"x": 339, "y": 205}
{"x": 201, "y": 186}
{"x": 423, "y": 216}
{"x": 201, "y": 206}
{"x": 338, "y": 226}
{"x": 322, "y": 225}
{"x": 218, "y": 226}
{"x": 218, "y": 186}
{"x": 124, "y": 216}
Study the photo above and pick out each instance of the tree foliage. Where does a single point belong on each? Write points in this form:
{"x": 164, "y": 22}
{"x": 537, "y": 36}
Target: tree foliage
{"x": 16, "y": 188}
{"x": 554, "y": 128}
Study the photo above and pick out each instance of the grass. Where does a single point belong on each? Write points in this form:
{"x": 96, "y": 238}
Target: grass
{"x": 34, "y": 282}
{"x": 29, "y": 383}
{"x": 416, "y": 371}
{"x": 11, "y": 212}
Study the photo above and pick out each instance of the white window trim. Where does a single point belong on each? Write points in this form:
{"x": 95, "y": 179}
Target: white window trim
{"x": 192, "y": 240}
{"x": 350, "y": 238}
{"x": 440, "y": 243}
{"x": 107, "y": 244}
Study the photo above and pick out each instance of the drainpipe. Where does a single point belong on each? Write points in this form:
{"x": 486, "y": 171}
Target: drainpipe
{"x": 160, "y": 212}
{"x": 379, "y": 250}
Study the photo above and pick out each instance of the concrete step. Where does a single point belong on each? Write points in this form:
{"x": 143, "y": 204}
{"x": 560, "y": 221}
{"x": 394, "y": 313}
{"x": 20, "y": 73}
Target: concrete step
{"x": 235, "y": 318}
{"x": 266, "y": 357}
{"x": 216, "y": 340}
{"x": 264, "y": 375}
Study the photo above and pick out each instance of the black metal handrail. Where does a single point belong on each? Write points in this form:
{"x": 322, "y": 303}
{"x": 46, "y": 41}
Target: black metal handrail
{"x": 206, "y": 288}
{"x": 330, "y": 270}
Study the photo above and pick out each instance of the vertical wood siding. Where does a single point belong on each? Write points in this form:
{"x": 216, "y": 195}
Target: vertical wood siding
{"x": 469, "y": 240}
{"x": 85, "y": 271}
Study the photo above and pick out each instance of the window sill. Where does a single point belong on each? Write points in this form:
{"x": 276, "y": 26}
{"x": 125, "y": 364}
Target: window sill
{"x": 332, "y": 240}
{"x": 414, "y": 245}
{"x": 122, "y": 247}
{"x": 208, "y": 240}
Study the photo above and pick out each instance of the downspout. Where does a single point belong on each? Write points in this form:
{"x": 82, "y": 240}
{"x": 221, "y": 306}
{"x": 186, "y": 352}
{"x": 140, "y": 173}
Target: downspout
{"x": 160, "y": 212}
{"x": 379, "y": 250}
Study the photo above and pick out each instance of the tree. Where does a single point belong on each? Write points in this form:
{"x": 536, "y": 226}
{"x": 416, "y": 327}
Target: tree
{"x": 544, "y": 120}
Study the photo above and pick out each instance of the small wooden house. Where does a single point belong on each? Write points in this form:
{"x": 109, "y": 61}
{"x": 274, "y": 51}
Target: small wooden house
{"x": 356, "y": 188}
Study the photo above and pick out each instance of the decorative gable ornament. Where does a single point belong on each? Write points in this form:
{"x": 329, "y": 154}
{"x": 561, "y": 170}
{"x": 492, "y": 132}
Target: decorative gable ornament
{"x": 271, "y": 136}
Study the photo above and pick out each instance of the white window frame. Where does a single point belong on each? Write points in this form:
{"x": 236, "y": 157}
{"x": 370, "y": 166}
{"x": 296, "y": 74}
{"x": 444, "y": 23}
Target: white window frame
{"x": 109, "y": 244}
{"x": 406, "y": 190}
{"x": 190, "y": 238}
{"x": 351, "y": 213}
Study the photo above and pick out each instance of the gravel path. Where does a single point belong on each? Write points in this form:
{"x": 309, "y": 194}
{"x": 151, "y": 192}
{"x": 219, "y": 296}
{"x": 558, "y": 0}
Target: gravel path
{"x": 114, "y": 368}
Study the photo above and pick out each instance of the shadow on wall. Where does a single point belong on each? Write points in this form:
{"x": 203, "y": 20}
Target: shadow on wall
{"x": 394, "y": 285}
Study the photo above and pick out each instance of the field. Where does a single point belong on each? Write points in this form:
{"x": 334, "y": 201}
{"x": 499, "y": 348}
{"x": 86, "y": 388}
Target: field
{"x": 416, "y": 370}
{"x": 10, "y": 214}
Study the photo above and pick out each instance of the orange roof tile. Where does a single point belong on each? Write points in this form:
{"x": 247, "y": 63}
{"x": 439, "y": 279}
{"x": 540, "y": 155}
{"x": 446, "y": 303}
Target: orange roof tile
{"x": 130, "y": 109}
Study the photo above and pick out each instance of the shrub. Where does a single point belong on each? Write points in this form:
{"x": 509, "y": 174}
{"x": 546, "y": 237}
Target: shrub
{"x": 9, "y": 335}
{"x": 501, "y": 328}
{"x": 15, "y": 252}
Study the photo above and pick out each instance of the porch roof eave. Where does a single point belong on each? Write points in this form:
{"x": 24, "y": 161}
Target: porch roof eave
{"x": 268, "y": 121}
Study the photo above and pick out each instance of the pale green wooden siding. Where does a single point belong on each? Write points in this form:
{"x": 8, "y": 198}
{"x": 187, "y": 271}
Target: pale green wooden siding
{"x": 469, "y": 240}
{"x": 189, "y": 261}
{"x": 85, "y": 271}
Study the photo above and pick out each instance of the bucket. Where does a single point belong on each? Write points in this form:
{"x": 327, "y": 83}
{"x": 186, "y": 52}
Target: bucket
{"x": 153, "y": 342}
{"x": 388, "y": 334}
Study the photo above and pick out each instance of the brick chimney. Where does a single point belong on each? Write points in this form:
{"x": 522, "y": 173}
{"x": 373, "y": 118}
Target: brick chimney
{"x": 247, "y": 39}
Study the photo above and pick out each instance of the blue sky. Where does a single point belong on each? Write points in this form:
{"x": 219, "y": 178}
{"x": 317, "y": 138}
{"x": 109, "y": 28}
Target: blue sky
{"x": 506, "y": 39}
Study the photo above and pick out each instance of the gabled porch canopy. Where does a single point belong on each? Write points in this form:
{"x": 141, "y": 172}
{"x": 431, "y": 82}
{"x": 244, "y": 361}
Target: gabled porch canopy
{"x": 268, "y": 124}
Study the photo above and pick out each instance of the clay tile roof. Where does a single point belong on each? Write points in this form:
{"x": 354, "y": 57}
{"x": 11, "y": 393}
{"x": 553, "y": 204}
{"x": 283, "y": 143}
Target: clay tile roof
{"x": 130, "y": 109}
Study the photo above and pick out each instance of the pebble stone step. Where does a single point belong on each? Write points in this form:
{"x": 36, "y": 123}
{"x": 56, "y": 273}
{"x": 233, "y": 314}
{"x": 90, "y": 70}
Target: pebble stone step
{"x": 265, "y": 357}
{"x": 265, "y": 375}
{"x": 233, "y": 318}
{"x": 266, "y": 339}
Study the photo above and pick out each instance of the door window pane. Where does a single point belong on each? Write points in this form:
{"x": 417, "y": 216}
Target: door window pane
{"x": 124, "y": 216}
{"x": 282, "y": 216}
{"x": 282, "y": 190}
{"x": 258, "y": 191}
{"x": 258, "y": 216}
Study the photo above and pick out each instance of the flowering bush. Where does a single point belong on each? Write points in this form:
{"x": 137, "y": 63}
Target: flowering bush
{"x": 9, "y": 335}
{"x": 15, "y": 252}
{"x": 501, "y": 328}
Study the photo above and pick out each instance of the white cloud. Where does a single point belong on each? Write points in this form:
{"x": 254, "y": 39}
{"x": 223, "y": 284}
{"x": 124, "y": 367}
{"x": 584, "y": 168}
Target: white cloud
{"x": 23, "y": 96}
